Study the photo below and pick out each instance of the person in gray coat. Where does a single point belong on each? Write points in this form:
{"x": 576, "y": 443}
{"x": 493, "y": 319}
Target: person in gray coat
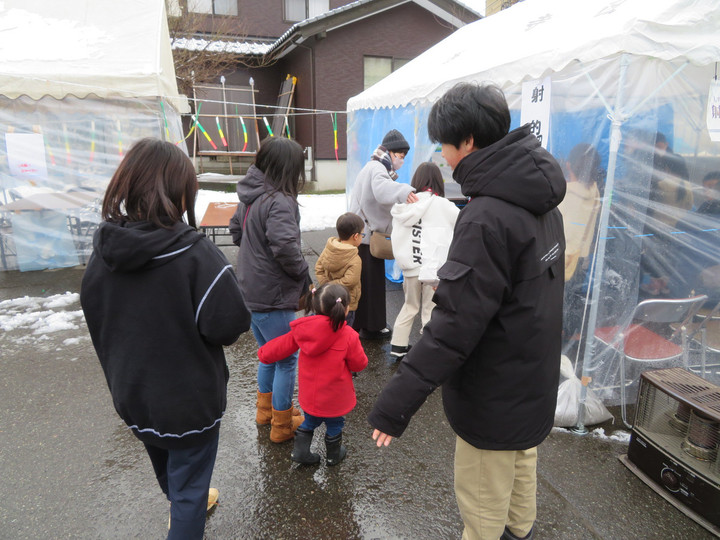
{"x": 272, "y": 271}
{"x": 373, "y": 195}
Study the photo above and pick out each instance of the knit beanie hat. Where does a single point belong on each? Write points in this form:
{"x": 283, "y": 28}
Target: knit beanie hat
{"x": 395, "y": 142}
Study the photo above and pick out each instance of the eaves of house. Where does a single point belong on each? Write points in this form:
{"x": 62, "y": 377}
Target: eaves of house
{"x": 450, "y": 11}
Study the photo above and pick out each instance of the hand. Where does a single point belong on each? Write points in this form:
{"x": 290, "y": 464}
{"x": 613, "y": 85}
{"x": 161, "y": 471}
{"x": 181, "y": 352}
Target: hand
{"x": 411, "y": 198}
{"x": 383, "y": 439}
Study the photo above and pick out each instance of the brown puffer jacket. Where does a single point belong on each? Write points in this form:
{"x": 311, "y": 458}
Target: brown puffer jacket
{"x": 340, "y": 263}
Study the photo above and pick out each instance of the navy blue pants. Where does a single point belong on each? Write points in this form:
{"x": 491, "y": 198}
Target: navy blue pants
{"x": 333, "y": 426}
{"x": 184, "y": 477}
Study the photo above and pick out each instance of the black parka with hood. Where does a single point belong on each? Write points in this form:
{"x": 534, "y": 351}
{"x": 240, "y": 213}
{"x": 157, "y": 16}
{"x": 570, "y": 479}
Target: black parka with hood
{"x": 494, "y": 338}
{"x": 160, "y": 304}
{"x": 272, "y": 271}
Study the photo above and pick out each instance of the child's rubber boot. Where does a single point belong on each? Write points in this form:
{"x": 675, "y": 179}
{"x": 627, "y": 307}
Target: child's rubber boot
{"x": 336, "y": 452}
{"x": 264, "y": 408}
{"x": 283, "y": 425}
{"x": 301, "y": 448}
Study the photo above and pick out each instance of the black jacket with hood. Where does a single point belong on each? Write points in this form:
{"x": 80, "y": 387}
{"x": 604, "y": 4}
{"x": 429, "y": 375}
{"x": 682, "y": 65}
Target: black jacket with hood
{"x": 494, "y": 338}
{"x": 160, "y": 304}
{"x": 272, "y": 271}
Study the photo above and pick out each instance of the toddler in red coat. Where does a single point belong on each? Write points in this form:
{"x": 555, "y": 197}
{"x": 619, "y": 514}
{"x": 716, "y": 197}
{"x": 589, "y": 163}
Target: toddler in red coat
{"x": 329, "y": 351}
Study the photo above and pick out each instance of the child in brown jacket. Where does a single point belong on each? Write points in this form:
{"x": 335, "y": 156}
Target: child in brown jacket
{"x": 339, "y": 262}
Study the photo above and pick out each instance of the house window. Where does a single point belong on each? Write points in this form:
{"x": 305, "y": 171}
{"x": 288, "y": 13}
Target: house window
{"x": 299, "y": 10}
{"x": 214, "y": 7}
{"x": 377, "y": 67}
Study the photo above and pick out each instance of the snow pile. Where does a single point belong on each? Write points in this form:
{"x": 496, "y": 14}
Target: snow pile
{"x": 599, "y": 433}
{"x": 38, "y": 316}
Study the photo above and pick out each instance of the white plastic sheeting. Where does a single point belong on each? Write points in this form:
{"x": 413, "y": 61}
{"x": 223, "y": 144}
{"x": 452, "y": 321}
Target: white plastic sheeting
{"x": 632, "y": 80}
{"x": 56, "y": 158}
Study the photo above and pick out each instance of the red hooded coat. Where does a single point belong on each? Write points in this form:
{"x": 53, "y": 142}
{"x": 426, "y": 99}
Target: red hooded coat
{"x": 327, "y": 358}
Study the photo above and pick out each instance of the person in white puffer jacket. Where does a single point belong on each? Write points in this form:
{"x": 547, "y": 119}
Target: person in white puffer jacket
{"x": 421, "y": 235}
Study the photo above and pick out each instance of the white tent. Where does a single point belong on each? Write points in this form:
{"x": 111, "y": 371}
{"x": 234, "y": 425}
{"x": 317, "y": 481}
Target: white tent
{"x": 80, "y": 81}
{"x": 625, "y": 77}
{"x": 86, "y": 47}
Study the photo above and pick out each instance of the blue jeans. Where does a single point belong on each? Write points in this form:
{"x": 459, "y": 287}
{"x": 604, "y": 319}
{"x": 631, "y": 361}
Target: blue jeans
{"x": 333, "y": 426}
{"x": 184, "y": 476}
{"x": 278, "y": 378}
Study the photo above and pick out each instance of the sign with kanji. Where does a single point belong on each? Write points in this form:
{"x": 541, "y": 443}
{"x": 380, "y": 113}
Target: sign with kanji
{"x": 713, "y": 111}
{"x": 26, "y": 155}
{"x": 535, "y": 108}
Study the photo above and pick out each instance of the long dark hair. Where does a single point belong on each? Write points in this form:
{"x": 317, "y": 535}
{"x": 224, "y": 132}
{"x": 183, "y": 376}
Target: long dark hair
{"x": 428, "y": 176}
{"x": 332, "y": 300}
{"x": 154, "y": 182}
{"x": 283, "y": 163}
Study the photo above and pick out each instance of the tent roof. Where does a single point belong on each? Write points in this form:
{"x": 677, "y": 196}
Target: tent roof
{"x": 536, "y": 37}
{"x": 83, "y": 47}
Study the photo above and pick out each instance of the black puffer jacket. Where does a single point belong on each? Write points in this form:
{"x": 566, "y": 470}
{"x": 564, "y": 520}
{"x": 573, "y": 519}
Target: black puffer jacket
{"x": 160, "y": 304}
{"x": 266, "y": 226}
{"x": 494, "y": 337}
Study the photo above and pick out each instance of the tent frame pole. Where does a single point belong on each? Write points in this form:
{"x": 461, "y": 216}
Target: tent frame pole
{"x": 617, "y": 117}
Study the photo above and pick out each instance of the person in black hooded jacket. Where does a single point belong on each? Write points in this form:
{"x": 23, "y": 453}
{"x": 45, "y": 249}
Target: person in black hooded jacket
{"x": 161, "y": 301}
{"x": 494, "y": 337}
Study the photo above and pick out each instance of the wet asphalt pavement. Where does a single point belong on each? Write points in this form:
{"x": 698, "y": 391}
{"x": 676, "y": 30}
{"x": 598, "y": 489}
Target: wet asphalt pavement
{"x": 69, "y": 468}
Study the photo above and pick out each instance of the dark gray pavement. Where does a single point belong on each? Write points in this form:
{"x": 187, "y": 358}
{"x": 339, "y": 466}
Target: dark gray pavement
{"x": 70, "y": 469}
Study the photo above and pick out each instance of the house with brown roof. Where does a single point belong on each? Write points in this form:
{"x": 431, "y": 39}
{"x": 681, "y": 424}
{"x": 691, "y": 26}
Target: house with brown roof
{"x": 334, "y": 49}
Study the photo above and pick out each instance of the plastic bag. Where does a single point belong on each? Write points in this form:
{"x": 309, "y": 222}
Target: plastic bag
{"x": 568, "y": 400}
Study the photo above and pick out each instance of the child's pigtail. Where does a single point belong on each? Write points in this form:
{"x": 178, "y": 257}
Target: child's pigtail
{"x": 332, "y": 300}
{"x": 309, "y": 300}
{"x": 337, "y": 314}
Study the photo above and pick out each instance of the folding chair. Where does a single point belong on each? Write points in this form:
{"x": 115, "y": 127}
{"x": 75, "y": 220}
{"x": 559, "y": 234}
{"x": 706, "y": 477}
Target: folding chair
{"x": 637, "y": 343}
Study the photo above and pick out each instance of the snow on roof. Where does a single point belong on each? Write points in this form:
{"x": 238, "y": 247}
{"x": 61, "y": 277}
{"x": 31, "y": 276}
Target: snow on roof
{"x": 235, "y": 47}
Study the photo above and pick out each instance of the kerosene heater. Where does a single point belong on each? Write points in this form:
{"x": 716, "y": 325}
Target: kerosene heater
{"x": 674, "y": 442}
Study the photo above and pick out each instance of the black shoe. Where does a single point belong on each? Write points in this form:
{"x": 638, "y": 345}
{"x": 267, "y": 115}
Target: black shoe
{"x": 507, "y": 535}
{"x": 397, "y": 352}
{"x": 385, "y": 333}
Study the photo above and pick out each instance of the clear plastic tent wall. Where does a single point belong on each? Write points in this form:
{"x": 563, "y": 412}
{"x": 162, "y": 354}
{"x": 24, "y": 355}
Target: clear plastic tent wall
{"x": 56, "y": 159}
{"x": 642, "y": 212}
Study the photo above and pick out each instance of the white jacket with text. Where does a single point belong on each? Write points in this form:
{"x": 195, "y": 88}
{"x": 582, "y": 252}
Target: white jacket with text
{"x": 421, "y": 235}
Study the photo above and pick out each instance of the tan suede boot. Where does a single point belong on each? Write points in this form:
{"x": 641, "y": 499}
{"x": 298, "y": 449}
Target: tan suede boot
{"x": 264, "y": 408}
{"x": 284, "y": 425}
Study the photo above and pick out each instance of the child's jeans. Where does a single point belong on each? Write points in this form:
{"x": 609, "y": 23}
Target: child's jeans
{"x": 332, "y": 425}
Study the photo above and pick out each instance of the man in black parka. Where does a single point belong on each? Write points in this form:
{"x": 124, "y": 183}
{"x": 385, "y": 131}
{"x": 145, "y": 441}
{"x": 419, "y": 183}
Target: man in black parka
{"x": 495, "y": 335}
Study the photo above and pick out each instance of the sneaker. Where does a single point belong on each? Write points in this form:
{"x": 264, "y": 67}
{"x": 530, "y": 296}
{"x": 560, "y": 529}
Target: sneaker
{"x": 398, "y": 352}
{"x": 385, "y": 333}
{"x": 213, "y": 496}
{"x": 507, "y": 535}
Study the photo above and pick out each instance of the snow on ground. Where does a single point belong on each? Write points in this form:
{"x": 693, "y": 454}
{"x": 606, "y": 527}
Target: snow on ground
{"x": 317, "y": 212}
{"x": 35, "y": 318}
{"x": 599, "y": 433}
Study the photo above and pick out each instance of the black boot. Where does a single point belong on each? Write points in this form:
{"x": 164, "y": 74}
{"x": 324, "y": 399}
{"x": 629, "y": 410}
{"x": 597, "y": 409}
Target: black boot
{"x": 301, "y": 449}
{"x": 336, "y": 452}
